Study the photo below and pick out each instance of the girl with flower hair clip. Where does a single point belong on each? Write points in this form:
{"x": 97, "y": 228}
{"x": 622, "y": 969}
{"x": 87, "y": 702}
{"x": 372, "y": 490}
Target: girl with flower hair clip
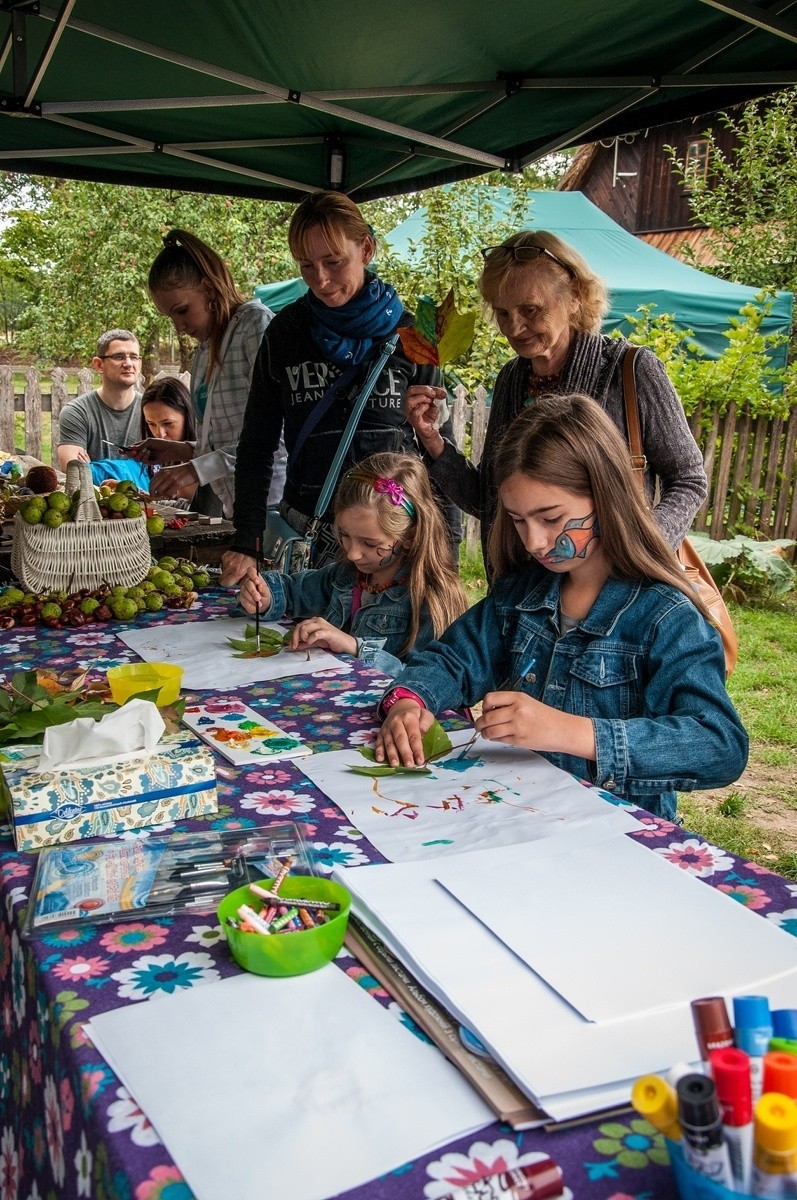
{"x": 394, "y": 586}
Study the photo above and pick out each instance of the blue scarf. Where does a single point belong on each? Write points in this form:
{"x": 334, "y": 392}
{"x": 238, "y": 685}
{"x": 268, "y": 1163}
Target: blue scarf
{"x": 347, "y": 334}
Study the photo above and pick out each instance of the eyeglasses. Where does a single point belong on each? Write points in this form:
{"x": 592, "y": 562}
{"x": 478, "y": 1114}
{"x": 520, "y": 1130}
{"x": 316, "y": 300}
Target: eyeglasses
{"x": 120, "y": 358}
{"x": 525, "y": 253}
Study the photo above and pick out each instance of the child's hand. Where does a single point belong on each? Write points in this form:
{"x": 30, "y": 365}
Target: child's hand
{"x": 520, "y": 720}
{"x": 317, "y": 632}
{"x": 254, "y": 591}
{"x": 400, "y": 740}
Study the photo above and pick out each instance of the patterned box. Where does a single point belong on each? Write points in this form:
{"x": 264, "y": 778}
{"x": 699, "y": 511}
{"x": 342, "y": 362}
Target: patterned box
{"x": 177, "y": 780}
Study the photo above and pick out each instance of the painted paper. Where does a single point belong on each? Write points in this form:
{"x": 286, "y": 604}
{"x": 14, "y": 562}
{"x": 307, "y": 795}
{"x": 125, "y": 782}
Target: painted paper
{"x": 490, "y": 795}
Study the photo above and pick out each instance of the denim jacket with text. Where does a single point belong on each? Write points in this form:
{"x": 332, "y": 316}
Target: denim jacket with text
{"x": 644, "y": 665}
{"x": 380, "y": 628}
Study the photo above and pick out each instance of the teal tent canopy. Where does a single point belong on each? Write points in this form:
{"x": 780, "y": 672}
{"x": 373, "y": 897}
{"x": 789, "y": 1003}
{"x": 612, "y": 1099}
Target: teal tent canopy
{"x": 277, "y": 99}
{"x": 634, "y": 272}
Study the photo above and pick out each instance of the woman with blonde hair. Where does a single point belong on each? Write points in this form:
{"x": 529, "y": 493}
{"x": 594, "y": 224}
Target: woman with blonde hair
{"x": 192, "y": 285}
{"x": 592, "y": 648}
{"x": 312, "y": 364}
{"x": 391, "y": 590}
{"x": 549, "y": 304}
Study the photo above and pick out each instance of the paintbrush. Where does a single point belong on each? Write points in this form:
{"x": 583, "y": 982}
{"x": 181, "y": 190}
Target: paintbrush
{"x": 257, "y": 603}
{"x": 510, "y": 686}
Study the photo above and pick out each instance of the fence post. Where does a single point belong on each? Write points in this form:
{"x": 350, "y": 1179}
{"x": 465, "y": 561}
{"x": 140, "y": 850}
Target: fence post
{"x": 33, "y": 413}
{"x": 7, "y": 409}
{"x": 85, "y": 380}
{"x": 58, "y": 398}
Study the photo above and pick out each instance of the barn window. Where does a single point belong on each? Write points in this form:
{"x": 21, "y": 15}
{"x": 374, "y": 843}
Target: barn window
{"x": 696, "y": 166}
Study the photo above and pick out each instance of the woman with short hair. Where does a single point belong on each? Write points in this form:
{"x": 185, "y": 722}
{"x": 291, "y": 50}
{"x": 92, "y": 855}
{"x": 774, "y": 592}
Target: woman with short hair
{"x": 549, "y": 304}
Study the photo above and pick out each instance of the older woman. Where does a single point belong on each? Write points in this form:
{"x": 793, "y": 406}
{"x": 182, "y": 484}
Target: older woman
{"x": 548, "y": 304}
{"x": 338, "y": 327}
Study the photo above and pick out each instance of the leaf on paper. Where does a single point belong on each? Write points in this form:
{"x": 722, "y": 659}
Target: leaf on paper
{"x": 436, "y": 742}
{"x": 377, "y": 772}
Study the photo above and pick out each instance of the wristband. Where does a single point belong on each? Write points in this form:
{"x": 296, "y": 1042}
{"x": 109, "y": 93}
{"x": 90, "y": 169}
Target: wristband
{"x": 399, "y": 693}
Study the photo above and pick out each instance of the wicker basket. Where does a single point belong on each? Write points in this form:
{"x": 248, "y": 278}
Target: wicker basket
{"x": 83, "y": 553}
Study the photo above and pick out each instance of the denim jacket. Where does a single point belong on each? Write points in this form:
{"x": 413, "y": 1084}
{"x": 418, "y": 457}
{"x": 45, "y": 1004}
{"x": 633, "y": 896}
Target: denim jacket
{"x": 380, "y": 628}
{"x": 644, "y": 665}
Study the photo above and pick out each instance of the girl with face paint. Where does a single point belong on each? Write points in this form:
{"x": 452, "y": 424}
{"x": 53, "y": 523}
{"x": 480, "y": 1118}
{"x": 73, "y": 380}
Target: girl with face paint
{"x": 592, "y": 648}
{"x": 394, "y": 586}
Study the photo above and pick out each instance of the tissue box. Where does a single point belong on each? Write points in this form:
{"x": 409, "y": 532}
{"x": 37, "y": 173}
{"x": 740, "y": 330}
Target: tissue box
{"x": 177, "y": 780}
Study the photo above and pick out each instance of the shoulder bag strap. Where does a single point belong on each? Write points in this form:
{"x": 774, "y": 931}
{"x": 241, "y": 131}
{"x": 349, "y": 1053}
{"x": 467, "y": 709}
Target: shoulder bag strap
{"x": 388, "y": 349}
{"x": 323, "y": 406}
{"x": 639, "y": 461}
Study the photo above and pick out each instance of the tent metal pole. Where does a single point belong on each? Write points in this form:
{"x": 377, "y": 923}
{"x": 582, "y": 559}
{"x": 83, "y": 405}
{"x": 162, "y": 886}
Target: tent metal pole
{"x": 49, "y": 50}
{"x": 758, "y": 17}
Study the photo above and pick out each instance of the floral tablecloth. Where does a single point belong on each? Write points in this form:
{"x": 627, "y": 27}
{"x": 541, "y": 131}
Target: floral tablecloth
{"x": 67, "y": 1126}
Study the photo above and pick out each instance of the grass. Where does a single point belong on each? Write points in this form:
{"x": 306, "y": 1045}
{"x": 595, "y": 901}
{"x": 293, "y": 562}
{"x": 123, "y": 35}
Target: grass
{"x": 755, "y": 818}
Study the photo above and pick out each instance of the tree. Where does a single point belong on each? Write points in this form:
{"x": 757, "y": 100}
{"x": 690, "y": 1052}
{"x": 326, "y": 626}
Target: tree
{"x": 95, "y": 245}
{"x": 749, "y": 197}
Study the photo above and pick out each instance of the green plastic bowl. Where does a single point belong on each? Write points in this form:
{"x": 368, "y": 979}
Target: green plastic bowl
{"x": 287, "y": 953}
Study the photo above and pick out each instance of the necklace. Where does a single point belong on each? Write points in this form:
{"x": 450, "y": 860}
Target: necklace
{"x": 373, "y": 588}
{"x": 538, "y": 384}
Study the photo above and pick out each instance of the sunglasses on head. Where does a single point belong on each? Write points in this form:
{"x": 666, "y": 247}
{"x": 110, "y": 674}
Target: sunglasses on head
{"x": 525, "y": 253}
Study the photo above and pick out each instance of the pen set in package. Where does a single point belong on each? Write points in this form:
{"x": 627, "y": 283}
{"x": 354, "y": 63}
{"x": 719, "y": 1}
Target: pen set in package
{"x": 732, "y": 1127}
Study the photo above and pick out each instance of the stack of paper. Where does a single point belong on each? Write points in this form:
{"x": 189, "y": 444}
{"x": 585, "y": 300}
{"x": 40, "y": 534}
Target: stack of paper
{"x": 575, "y": 962}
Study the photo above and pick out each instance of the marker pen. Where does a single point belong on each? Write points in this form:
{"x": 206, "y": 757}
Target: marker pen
{"x": 753, "y": 1029}
{"x": 712, "y": 1026}
{"x": 775, "y": 1147}
{"x": 784, "y": 1023}
{"x": 731, "y": 1071}
{"x": 541, "y": 1180}
{"x": 780, "y": 1073}
{"x": 677, "y": 1071}
{"x": 704, "y": 1145}
{"x": 783, "y": 1045}
{"x": 655, "y": 1100}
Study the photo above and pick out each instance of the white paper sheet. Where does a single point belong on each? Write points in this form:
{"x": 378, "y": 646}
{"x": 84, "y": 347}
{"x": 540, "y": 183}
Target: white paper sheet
{"x": 496, "y": 796}
{"x": 301, "y": 1087}
{"x": 619, "y": 886}
{"x": 208, "y": 661}
{"x": 568, "y": 1065}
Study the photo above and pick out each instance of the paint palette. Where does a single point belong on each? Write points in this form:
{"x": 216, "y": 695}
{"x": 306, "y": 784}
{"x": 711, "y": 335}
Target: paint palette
{"x": 241, "y": 735}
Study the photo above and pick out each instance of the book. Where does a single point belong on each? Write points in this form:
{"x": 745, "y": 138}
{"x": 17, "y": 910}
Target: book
{"x": 487, "y": 1077}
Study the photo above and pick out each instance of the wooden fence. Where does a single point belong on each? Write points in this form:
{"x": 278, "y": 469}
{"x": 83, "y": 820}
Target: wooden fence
{"x": 751, "y": 462}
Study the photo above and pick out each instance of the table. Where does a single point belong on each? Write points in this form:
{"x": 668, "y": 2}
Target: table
{"x": 69, "y": 1129}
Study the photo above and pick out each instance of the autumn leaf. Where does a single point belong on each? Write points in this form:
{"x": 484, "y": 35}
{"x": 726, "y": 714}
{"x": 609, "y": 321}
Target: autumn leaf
{"x": 440, "y": 333}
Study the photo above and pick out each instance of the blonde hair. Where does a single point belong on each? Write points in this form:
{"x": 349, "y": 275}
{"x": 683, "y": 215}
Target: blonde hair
{"x": 432, "y": 578}
{"x": 186, "y": 261}
{"x": 337, "y": 217}
{"x": 569, "y": 441}
{"x": 564, "y": 266}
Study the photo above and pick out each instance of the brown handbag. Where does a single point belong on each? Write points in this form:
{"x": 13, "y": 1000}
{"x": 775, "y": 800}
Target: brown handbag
{"x": 696, "y": 570}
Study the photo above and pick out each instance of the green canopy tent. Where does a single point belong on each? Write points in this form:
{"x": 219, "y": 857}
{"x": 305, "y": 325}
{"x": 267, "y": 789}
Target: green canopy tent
{"x": 635, "y": 273}
{"x": 275, "y": 100}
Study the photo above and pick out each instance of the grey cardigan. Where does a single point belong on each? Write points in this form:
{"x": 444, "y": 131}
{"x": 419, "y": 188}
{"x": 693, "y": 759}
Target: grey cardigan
{"x": 594, "y": 366}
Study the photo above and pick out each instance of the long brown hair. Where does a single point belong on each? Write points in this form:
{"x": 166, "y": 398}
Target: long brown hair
{"x": 432, "y": 578}
{"x": 568, "y": 441}
{"x": 186, "y": 261}
{"x": 172, "y": 392}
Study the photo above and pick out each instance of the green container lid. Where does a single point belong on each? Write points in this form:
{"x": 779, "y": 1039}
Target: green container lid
{"x": 293, "y": 953}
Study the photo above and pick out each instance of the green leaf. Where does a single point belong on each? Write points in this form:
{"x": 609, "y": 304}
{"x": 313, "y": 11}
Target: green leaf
{"x": 436, "y": 742}
{"x": 368, "y": 753}
{"x": 378, "y": 772}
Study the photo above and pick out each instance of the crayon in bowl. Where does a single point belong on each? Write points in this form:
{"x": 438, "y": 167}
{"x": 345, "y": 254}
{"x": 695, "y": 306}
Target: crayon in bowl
{"x": 289, "y": 930}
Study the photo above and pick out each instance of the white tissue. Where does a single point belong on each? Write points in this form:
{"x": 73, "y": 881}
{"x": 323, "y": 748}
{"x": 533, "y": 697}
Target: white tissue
{"x": 132, "y": 730}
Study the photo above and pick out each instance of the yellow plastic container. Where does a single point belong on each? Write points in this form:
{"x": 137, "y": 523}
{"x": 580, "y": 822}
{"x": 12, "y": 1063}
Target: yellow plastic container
{"x": 131, "y": 679}
{"x": 293, "y": 953}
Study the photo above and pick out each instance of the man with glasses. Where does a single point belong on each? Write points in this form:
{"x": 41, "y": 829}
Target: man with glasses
{"x": 95, "y": 425}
